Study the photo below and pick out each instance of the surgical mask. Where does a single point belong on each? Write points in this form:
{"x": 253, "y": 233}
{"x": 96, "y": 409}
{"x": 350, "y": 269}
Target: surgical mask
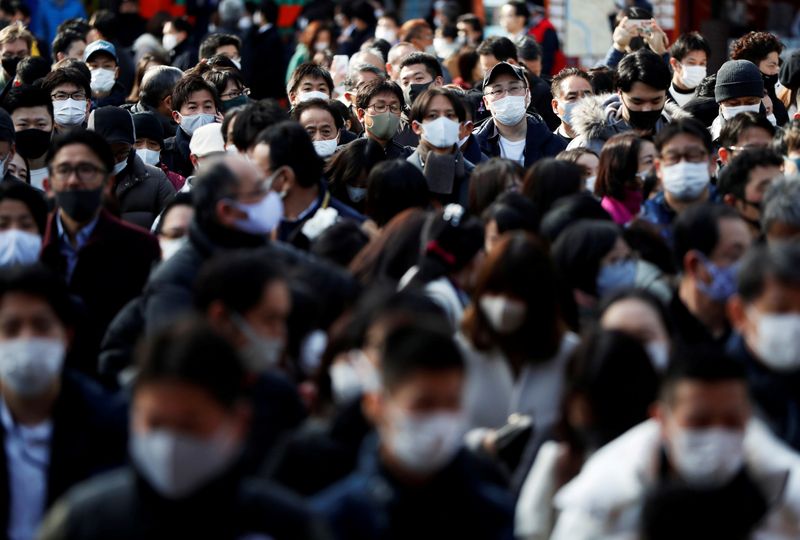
{"x": 386, "y": 34}
{"x": 262, "y": 217}
{"x": 191, "y": 123}
{"x": 28, "y": 366}
{"x": 314, "y": 94}
{"x": 102, "y": 80}
{"x": 772, "y": 119}
{"x": 568, "y": 107}
{"x": 424, "y": 443}
{"x": 778, "y": 342}
{"x": 723, "y": 281}
{"x": 384, "y": 125}
{"x": 684, "y": 180}
{"x": 707, "y": 458}
{"x": 728, "y": 113}
{"x": 440, "y": 133}
{"x": 445, "y": 49}
{"x": 261, "y": 353}
{"x": 177, "y": 465}
{"x": 431, "y": 50}
{"x": 170, "y": 41}
{"x": 325, "y": 148}
{"x": 321, "y": 46}
{"x": 119, "y": 167}
{"x": 692, "y": 75}
{"x": 80, "y": 204}
{"x": 69, "y": 112}
{"x": 412, "y": 91}
{"x": 170, "y": 246}
{"x": 643, "y": 120}
{"x": 509, "y": 110}
{"x": 353, "y": 376}
{"x": 619, "y": 275}
{"x": 150, "y": 157}
{"x": 505, "y": 315}
{"x": 658, "y": 351}
{"x": 589, "y": 183}
{"x": 238, "y": 101}
{"x": 19, "y": 247}
{"x": 356, "y": 194}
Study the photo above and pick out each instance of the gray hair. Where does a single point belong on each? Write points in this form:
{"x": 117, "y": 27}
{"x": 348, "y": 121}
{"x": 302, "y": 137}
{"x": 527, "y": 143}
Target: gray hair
{"x": 781, "y": 203}
{"x": 157, "y": 83}
{"x": 352, "y": 75}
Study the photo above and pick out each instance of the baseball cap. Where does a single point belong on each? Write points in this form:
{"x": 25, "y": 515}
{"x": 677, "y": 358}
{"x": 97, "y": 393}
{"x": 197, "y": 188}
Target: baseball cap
{"x": 99, "y": 46}
{"x": 503, "y": 68}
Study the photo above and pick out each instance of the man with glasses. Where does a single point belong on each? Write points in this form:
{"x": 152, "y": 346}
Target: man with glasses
{"x": 746, "y": 131}
{"x": 511, "y": 133}
{"x": 104, "y": 261}
{"x": 70, "y": 91}
{"x": 379, "y": 104}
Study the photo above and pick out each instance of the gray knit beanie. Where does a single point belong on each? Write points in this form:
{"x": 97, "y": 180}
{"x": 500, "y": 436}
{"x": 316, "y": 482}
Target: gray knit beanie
{"x": 738, "y": 78}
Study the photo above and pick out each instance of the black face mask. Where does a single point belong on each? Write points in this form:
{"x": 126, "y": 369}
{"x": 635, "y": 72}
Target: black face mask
{"x": 32, "y": 143}
{"x": 80, "y": 204}
{"x": 769, "y": 82}
{"x": 10, "y": 65}
{"x": 643, "y": 120}
{"x": 415, "y": 90}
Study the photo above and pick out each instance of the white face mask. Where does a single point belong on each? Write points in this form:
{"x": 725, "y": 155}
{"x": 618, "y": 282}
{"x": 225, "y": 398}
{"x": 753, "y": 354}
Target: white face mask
{"x": 431, "y": 50}
{"x": 258, "y": 18}
{"x": 729, "y": 113}
{"x": 170, "y": 246}
{"x": 509, "y": 110}
{"x": 658, "y": 351}
{"x": 69, "y": 112}
{"x": 356, "y": 194}
{"x": 313, "y": 94}
{"x": 568, "y": 107}
{"x": 119, "y": 167}
{"x": 387, "y": 34}
{"x": 353, "y": 376}
{"x": 589, "y": 182}
{"x": 28, "y": 366}
{"x": 772, "y": 119}
{"x": 684, "y": 180}
{"x": 441, "y": 133}
{"x": 19, "y": 247}
{"x": 170, "y": 41}
{"x": 425, "y": 443}
{"x": 150, "y": 157}
{"x": 102, "y": 81}
{"x": 263, "y": 216}
{"x": 261, "y": 353}
{"x": 177, "y": 465}
{"x": 692, "y": 75}
{"x": 504, "y": 314}
{"x": 190, "y": 123}
{"x": 778, "y": 341}
{"x": 707, "y": 458}
{"x": 325, "y": 148}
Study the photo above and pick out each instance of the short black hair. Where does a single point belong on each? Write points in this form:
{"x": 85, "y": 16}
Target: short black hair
{"x": 734, "y": 176}
{"x": 309, "y": 69}
{"x": 568, "y": 210}
{"x": 190, "y": 351}
{"x": 220, "y": 62}
{"x": 78, "y": 25}
{"x": 707, "y": 363}
{"x": 321, "y": 104}
{"x": 66, "y": 75}
{"x": 372, "y": 88}
{"x": 500, "y": 47}
{"x": 697, "y": 228}
{"x": 643, "y": 66}
{"x": 290, "y": 145}
{"x": 566, "y": 73}
{"x": 578, "y": 251}
{"x": 91, "y": 139}
{"x": 182, "y": 24}
{"x": 779, "y": 260}
{"x": 735, "y": 127}
{"x": 32, "y": 68}
{"x": 430, "y": 62}
{"x": 340, "y": 242}
{"x": 26, "y": 95}
{"x": 688, "y": 42}
{"x": 30, "y": 197}
{"x": 255, "y": 118}
{"x": 106, "y": 23}
{"x": 213, "y": 184}
{"x": 209, "y": 45}
{"x": 219, "y": 78}
{"x": 237, "y": 279}
{"x": 190, "y": 84}
{"x": 425, "y": 99}
{"x": 41, "y": 282}
{"x": 472, "y": 20}
{"x": 394, "y": 186}
{"x": 158, "y": 83}
{"x": 412, "y": 348}
{"x": 63, "y": 42}
{"x": 683, "y": 126}
{"x": 520, "y": 9}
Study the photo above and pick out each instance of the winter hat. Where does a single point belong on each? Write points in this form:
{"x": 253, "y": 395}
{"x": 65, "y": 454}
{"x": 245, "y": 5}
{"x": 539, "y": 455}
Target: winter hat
{"x": 790, "y": 71}
{"x": 113, "y": 123}
{"x": 738, "y": 78}
{"x": 148, "y": 127}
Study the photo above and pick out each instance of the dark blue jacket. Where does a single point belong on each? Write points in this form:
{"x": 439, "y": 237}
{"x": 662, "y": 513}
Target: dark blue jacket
{"x": 287, "y": 229}
{"x": 176, "y": 153}
{"x": 472, "y": 151}
{"x": 455, "y": 503}
{"x": 539, "y": 141}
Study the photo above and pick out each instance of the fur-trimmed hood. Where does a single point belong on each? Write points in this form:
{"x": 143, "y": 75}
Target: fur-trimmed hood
{"x": 598, "y": 118}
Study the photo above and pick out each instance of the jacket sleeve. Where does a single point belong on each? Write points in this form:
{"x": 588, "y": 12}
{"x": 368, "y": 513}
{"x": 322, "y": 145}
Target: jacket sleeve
{"x": 165, "y": 192}
{"x": 553, "y": 146}
{"x": 613, "y": 57}
{"x": 549, "y": 48}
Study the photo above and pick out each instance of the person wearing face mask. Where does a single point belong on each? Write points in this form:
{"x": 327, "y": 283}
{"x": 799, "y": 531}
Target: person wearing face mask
{"x": 684, "y": 166}
{"x": 140, "y": 190}
{"x": 710, "y": 240}
{"x": 348, "y": 173}
{"x": 172, "y": 228}
{"x": 23, "y": 215}
{"x": 765, "y": 315}
{"x": 8, "y": 150}
{"x": 764, "y": 49}
{"x": 71, "y": 95}
{"x": 747, "y": 131}
{"x": 149, "y": 144}
{"x": 417, "y": 454}
{"x": 190, "y": 419}
{"x": 689, "y": 60}
{"x": 246, "y": 298}
{"x": 15, "y": 44}
{"x": 101, "y": 57}
{"x": 309, "y": 81}
{"x": 195, "y": 103}
{"x": 59, "y": 428}
{"x": 316, "y": 37}
{"x": 31, "y": 112}
{"x": 739, "y": 88}
{"x": 178, "y": 43}
{"x": 379, "y": 104}
{"x": 323, "y": 124}
{"x": 702, "y": 450}
{"x": 619, "y": 182}
{"x": 744, "y": 181}
{"x": 569, "y": 87}
{"x": 436, "y": 117}
{"x": 225, "y": 44}
{"x": 418, "y": 72}
{"x": 511, "y": 133}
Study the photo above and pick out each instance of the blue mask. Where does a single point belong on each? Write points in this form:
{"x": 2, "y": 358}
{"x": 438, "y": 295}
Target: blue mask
{"x": 620, "y": 275}
{"x": 723, "y": 280}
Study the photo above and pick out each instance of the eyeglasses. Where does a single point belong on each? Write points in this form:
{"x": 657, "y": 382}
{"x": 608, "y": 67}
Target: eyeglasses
{"x": 513, "y": 89}
{"x": 235, "y": 93}
{"x": 379, "y": 108}
{"x": 86, "y": 172}
{"x": 78, "y": 95}
{"x": 692, "y": 155}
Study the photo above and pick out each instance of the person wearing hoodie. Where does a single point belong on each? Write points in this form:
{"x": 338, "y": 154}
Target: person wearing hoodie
{"x": 739, "y": 88}
{"x": 639, "y": 104}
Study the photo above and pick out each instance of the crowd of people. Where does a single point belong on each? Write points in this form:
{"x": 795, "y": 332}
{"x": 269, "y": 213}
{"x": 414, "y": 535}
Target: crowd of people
{"x": 374, "y": 275}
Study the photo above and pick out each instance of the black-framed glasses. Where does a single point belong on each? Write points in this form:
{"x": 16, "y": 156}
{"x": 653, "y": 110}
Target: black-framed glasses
{"x": 78, "y": 95}
{"x": 235, "y": 93}
{"x": 513, "y": 89}
{"x": 86, "y": 172}
{"x": 380, "y": 108}
{"x": 692, "y": 155}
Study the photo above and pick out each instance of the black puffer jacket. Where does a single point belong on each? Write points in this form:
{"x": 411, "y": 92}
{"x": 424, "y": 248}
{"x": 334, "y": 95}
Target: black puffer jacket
{"x": 142, "y": 191}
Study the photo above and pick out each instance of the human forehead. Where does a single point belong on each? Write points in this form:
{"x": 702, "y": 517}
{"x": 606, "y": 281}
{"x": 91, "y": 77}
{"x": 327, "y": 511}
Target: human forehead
{"x": 67, "y": 87}
{"x": 199, "y": 96}
{"x": 440, "y": 103}
{"x": 575, "y": 83}
{"x": 641, "y": 90}
{"x": 753, "y": 134}
{"x": 384, "y": 97}
{"x": 503, "y": 78}
{"x": 75, "y": 153}
{"x": 315, "y": 116}
{"x": 681, "y": 142}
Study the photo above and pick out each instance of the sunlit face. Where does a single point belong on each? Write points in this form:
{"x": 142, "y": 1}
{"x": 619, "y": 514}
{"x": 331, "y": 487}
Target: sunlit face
{"x": 643, "y": 97}
{"x": 771, "y": 64}
{"x": 175, "y": 223}
{"x": 319, "y": 124}
{"x": 200, "y": 102}
{"x": 590, "y": 163}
